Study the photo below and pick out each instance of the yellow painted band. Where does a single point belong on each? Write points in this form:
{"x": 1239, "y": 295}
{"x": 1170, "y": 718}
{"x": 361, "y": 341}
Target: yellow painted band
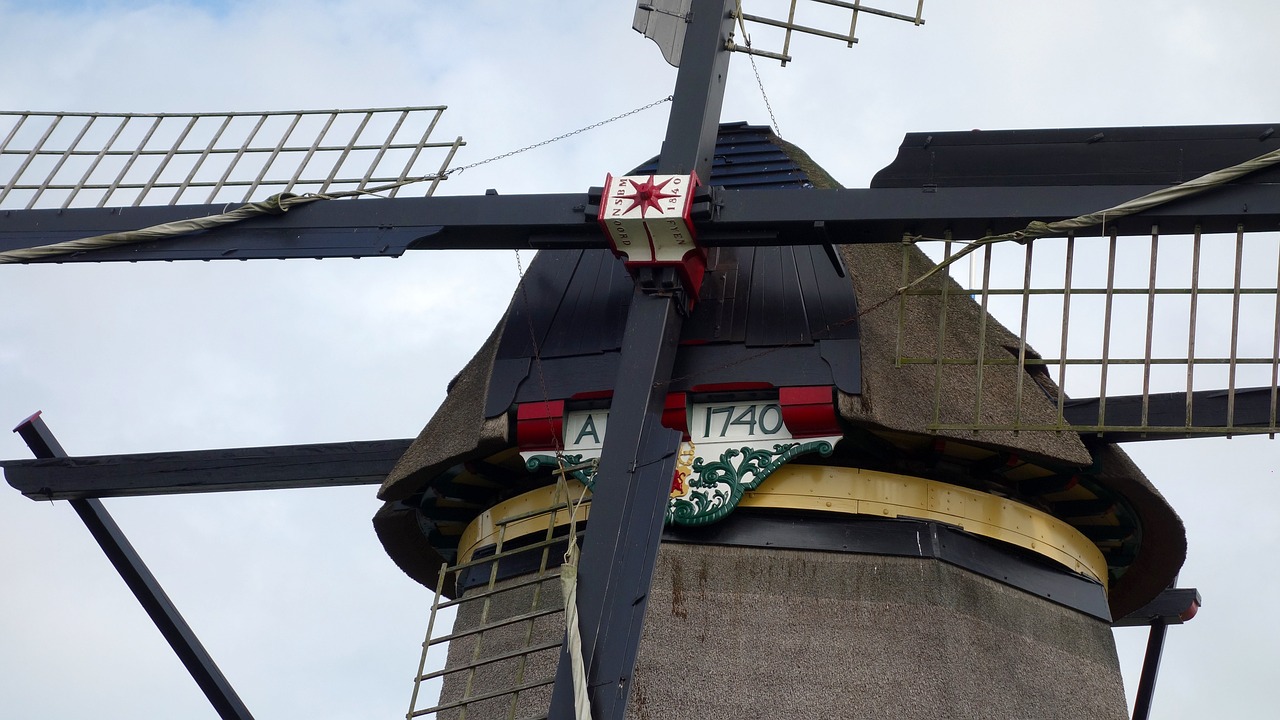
{"x": 849, "y": 491}
{"x": 523, "y": 515}
{"x": 854, "y": 491}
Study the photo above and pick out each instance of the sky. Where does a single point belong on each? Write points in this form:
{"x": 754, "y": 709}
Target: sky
{"x": 290, "y": 590}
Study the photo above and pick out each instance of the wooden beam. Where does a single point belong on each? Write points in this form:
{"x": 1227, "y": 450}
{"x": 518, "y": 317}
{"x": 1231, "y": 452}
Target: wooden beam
{"x": 261, "y": 468}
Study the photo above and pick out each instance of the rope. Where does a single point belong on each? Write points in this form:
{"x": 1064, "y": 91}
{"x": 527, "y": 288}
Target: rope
{"x": 569, "y": 568}
{"x": 277, "y": 204}
{"x": 1038, "y": 229}
{"x": 569, "y": 586}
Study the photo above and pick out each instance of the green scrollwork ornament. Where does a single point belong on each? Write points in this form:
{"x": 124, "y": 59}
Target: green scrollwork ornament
{"x": 716, "y": 487}
{"x": 574, "y": 467}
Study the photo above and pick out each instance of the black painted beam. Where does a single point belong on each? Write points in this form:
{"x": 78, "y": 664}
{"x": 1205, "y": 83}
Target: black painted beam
{"x": 261, "y": 468}
{"x": 1174, "y": 606}
{"x": 628, "y": 506}
{"x": 1150, "y": 672}
{"x": 884, "y": 214}
{"x": 739, "y": 217}
{"x": 637, "y": 462}
{"x": 1144, "y": 155}
{"x": 699, "y": 93}
{"x": 144, "y": 585}
{"x": 1253, "y": 408}
{"x": 323, "y": 229}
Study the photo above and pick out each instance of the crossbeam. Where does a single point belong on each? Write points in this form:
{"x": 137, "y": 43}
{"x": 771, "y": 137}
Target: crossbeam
{"x": 1173, "y": 606}
{"x": 369, "y": 462}
{"x": 168, "y": 473}
{"x": 734, "y": 217}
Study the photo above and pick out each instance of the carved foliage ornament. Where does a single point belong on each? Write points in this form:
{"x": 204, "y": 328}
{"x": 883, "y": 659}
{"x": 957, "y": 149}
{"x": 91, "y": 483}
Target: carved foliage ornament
{"x": 709, "y": 490}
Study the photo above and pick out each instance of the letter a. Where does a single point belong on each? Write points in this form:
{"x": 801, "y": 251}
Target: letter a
{"x": 588, "y": 427}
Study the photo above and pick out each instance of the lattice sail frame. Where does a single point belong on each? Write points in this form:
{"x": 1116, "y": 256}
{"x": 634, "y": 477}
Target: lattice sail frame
{"x": 810, "y": 17}
{"x": 663, "y": 21}
{"x": 74, "y": 159}
{"x": 1110, "y": 317}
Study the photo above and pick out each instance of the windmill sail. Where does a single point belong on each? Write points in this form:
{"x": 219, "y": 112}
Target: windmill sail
{"x": 74, "y": 160}
{"x": 1137, "y": 328}
{"x": 664, "y": 22}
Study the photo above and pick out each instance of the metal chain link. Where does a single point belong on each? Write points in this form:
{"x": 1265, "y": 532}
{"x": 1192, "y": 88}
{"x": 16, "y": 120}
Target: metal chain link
{"x": 776, "y": 130}
{"x": 746, "y": 37}
{"x": 558, "y": 138}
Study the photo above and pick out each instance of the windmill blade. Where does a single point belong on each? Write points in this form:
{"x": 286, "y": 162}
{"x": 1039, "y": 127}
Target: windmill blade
{"x": 664, "y": 22}
{"x": 72, "y": 159}
{"x": 68, "y": 176}
{"x": 831, "y": 19}
{"x": 132, "y": 176}
{"x": 1157, "y": 328}
{"x": 1170, "y": 335}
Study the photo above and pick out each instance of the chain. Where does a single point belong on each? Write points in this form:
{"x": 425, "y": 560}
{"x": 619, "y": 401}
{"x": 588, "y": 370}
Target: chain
{"x": 558, "y": 138}
{"x": 776, "y": 130}
{"x": 747, "y": 39}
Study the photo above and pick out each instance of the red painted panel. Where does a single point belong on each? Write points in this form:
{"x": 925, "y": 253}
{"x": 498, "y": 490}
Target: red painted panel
{"x": 540, "y": 425}
{"x": 809, "y": 411}
{"x": 675, "y": 413}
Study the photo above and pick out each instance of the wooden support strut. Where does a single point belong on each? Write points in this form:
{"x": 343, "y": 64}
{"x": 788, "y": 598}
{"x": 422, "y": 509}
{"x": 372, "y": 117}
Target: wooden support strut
{"x": 144, "y": 585}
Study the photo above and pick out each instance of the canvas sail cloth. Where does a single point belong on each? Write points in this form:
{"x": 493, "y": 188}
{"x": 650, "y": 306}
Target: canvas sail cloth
{"x": 782, "y": 316}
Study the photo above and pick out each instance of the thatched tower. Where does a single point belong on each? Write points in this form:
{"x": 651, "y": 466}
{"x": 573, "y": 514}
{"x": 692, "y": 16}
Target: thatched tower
{"x": 887, "y": 571}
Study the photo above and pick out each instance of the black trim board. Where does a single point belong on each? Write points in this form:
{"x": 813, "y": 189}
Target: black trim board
{"x": 899, "y": 537}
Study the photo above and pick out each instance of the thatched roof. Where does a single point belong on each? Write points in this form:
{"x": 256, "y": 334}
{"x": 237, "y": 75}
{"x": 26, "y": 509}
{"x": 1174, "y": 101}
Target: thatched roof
{"x": 741, "y": 335}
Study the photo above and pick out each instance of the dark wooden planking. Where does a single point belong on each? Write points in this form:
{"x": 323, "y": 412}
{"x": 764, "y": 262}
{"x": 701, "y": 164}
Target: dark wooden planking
{"x": 263, "y": 468}
{"x": 1253, "y": 409}
{"x": 535, "y": 306}
{"x": 1174, "y": 606}
{"x": 1075, "y": 156}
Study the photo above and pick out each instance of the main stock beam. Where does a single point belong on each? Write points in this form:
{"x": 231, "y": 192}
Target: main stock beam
{"x": 638, "y": 460}
{"x": 389, "y": 227}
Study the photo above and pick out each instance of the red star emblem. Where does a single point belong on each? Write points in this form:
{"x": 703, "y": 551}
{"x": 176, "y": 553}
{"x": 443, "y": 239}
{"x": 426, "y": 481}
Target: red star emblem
{"x": 647, "y": 195}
